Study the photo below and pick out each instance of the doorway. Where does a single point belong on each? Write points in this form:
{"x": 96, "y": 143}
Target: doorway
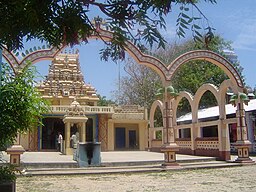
{"x": 120, "y": 138}
{"x": 132, "y": 139}
{"x": 89, "y": 130}
{"x": 50, "y": 129}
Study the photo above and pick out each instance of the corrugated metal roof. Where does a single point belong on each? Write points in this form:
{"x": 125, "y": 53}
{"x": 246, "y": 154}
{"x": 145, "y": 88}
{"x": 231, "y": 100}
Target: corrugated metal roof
{"x": 214, "y": 111}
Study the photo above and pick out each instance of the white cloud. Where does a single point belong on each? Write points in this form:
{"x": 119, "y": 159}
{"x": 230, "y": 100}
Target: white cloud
{"x": 246, "y": 39}
{"x": 169, "y": 33}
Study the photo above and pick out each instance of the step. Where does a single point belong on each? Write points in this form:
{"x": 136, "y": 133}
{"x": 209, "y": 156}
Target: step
{"x": 127, "y": 169}
{"x": 50, "y": 165}
{"x": 210, "y": 164}
{"x": 74, "y": 164}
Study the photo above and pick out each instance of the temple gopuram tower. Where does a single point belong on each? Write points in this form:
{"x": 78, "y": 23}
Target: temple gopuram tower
{"x": 65, "y": 82}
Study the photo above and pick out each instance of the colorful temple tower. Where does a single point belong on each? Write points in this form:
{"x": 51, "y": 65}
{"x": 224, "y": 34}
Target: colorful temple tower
{"x": 73, "y": 109}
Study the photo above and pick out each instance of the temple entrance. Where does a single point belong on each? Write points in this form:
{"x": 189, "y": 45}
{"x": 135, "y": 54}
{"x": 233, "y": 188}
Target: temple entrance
{"x": 50, "y": 129}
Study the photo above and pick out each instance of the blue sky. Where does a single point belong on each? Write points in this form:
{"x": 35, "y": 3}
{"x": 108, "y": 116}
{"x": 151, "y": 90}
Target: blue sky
{"x": 234, "y": 20}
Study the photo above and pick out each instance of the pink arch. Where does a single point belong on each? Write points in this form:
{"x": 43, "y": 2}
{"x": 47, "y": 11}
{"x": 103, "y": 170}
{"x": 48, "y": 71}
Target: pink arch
{"x": 153, "y": 108}
{"x": 165, "y": 72}
{"x": 210, "y": 56}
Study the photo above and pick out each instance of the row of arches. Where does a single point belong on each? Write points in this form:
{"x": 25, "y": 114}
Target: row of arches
{"x": 196, "y": 143}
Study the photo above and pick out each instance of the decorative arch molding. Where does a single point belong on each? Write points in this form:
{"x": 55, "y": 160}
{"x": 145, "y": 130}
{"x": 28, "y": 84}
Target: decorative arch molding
{"x": 229, "y": 84}
{"x": 222, "y": 95}
{"x": 187, "y": 95}
{"x": 165, "y": 72}
{"x": 210, "y": 56}
{"x": 153, "y": 108}
{"x": 182, "y": 94}
{"x": 49, "y": 54}
{"x": 198, "y": 95}
{"x": 219, "y": 94}
{"x": 33, "y": 57}
{"x": 200, "y": 92}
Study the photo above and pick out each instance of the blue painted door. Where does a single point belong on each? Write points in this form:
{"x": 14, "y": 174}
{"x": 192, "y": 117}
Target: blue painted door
{"x": 120, "y": 138}
{"x": 132, "y": 139}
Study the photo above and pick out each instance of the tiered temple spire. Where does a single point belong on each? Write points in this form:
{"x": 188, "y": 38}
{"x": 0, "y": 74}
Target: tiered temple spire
{"x": 65, "y": 80}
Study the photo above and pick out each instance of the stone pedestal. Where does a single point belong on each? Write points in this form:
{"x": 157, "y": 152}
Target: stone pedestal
{"x": 243, "y": 152}
{"x": 15, "y": 151}
{"x": 89, "y": 154}
{"x": 170, "y": 150}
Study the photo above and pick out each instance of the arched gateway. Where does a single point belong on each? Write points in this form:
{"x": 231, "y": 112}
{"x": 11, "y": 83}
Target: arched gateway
{"x": 169, "y": 105}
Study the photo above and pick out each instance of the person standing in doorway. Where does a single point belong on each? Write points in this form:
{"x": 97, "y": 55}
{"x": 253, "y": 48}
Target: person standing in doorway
{"x": 60, "y": 139}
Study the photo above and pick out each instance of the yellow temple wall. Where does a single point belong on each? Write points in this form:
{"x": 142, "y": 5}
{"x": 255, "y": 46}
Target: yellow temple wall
{"x": 140, "y": 126}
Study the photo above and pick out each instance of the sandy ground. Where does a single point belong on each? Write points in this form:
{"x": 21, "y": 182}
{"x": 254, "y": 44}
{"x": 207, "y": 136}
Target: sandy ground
{"x": 226, "y": 179}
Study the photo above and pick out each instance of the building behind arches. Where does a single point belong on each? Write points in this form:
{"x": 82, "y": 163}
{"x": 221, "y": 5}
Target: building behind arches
{"x": 208, "y": 119}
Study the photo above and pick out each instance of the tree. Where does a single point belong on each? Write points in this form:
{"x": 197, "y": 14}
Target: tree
{"x": 104, "y": 101}
{"x": 20, "y": 103}
{"x": 139, "y": 86}
{"x": 70, "y": 22}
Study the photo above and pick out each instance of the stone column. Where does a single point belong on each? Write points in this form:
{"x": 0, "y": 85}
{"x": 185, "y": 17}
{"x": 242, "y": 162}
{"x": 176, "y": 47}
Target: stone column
{"x": 242, "y": 144}
{"x": 111, "y": 136}
{"x": 150, "y": 137}
{"x": 83, "y": 132}
{"x": 142, "y": 134}
{"x": 224, "y": 143}
{"x": 170, "y": 147}
{"x": 68, "y": 150}
{"x": 194, "y": 135}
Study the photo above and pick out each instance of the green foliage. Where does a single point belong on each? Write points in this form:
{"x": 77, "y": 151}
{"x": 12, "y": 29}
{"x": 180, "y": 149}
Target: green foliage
{"x": 158, "y": 118}
{"x": 158, "y": 135}
{"x": 104, "y": 101}
{"x": 69, "y": 22}
{"x": 190, "y": 76}
{"x": 7, "y": 173}
{"x": 20, "y": 103}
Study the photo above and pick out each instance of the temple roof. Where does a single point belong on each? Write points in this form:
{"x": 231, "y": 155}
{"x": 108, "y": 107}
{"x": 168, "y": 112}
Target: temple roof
{"x": 65, "y": 80}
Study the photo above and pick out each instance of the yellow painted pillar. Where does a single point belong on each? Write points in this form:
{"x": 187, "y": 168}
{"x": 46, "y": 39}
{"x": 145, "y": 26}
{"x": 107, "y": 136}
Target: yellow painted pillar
{"x": 111, "y": 136}
{"x": 68, "y": 150}
{"x": 151, "y": 136}
{"x": 141, "y": 137}
{"x": 146, "y": 135}
{"x": 83, "y": 132}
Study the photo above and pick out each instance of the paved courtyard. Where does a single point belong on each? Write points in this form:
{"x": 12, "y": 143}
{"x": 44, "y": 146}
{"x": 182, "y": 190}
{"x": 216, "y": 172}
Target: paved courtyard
{"x": 226, "y": 179}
